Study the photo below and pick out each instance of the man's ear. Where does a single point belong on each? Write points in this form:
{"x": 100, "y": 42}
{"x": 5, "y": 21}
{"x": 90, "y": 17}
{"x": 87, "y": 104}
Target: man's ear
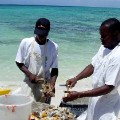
{"x": 117, "y": 36}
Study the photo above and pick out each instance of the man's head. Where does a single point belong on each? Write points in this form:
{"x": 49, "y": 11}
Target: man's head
{"x": 110, "y": 33}
{"x": 42, "y": 29}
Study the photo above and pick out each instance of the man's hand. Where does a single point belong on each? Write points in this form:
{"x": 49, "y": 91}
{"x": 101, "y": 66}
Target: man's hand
{"x": 71, "y": 95}
{"x": 33, "y": 78}
{"x": 71, "y": 82}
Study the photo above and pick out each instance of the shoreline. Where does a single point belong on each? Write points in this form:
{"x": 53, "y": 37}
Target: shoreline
{"x": 80, "y": 85}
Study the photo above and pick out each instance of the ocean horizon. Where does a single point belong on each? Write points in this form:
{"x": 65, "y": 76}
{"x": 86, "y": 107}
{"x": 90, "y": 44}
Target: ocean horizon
{"x": 74, "y": 29}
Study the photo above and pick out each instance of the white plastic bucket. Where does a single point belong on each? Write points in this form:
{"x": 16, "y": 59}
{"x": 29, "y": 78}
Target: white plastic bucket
{"x": 15, "y": 107}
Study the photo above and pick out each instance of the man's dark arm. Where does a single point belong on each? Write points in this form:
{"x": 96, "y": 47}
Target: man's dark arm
{"x": 24, "y": 69}
{"x": 54, "y": 75}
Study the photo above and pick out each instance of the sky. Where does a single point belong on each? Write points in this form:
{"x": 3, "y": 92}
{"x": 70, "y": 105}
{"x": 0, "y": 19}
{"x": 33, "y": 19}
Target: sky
{"x": 91, "y": 3}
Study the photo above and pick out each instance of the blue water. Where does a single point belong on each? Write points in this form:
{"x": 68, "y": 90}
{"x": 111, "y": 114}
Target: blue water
{"x": 74, "y": 29}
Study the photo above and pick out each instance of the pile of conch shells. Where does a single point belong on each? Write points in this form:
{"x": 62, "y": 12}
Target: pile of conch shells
{"x": 53, "y": 113}
{"x": 46, "y": 89}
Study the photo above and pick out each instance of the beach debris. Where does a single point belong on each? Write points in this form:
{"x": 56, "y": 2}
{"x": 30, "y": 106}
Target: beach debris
{"x": 46, "y": 89}
{"x": 65, "y": 94}
{"x": 53, "y": 113}
{"x": 67, "y": 91}
{"x": 40, "y": 80}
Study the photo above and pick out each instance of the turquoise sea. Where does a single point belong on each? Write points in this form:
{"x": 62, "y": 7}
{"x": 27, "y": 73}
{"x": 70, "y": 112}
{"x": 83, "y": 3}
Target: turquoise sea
{"x": 74, "y": 29}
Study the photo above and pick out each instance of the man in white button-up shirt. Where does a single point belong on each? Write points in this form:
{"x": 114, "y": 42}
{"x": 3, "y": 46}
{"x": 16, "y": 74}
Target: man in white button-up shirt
{"x": 104, "y": 103}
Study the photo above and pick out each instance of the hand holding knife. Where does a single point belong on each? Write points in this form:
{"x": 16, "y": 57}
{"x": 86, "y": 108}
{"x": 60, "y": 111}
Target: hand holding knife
{"x": 67, "y": 91}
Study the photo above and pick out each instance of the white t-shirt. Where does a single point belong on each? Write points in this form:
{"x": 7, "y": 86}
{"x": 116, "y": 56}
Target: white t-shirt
{"x": 34, "y": 56}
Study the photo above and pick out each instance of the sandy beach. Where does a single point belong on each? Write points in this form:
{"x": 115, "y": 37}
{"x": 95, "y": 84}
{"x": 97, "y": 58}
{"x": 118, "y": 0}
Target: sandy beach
{"x": 80, "y": 86}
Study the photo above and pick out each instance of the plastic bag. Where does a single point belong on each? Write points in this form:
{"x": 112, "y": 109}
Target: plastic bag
{"x": 24, "y": 89}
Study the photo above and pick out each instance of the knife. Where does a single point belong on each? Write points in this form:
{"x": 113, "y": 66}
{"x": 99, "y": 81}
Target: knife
{"x": 62, "y": 85}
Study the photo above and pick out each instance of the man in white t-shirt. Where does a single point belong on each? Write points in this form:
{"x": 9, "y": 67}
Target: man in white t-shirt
{"x": 104, "y": 103}
{"x": 37, "y": 57}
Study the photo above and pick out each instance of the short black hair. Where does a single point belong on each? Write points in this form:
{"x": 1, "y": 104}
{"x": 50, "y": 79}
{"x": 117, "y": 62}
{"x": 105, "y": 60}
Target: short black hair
{"x": 113, "y": 24}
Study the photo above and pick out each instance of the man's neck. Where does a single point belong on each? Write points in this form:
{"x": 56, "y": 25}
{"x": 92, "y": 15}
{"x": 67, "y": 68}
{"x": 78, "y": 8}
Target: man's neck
{"x": 39, "y": 42}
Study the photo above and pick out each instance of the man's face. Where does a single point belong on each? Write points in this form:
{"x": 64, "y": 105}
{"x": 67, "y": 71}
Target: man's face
{"x": 41, "y": 39}
{"x": 107, "y": 38}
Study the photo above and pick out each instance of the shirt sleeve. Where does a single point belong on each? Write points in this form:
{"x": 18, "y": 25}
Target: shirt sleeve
{"x": 20, "y": 57}
{"x": 112, "y": 76}
{"x": 55, "y": 57}
{"x": 95, "y": 58}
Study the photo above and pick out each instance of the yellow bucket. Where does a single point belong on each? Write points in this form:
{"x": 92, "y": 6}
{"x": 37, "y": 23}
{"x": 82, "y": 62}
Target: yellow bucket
{"x": 4, "y": 91}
